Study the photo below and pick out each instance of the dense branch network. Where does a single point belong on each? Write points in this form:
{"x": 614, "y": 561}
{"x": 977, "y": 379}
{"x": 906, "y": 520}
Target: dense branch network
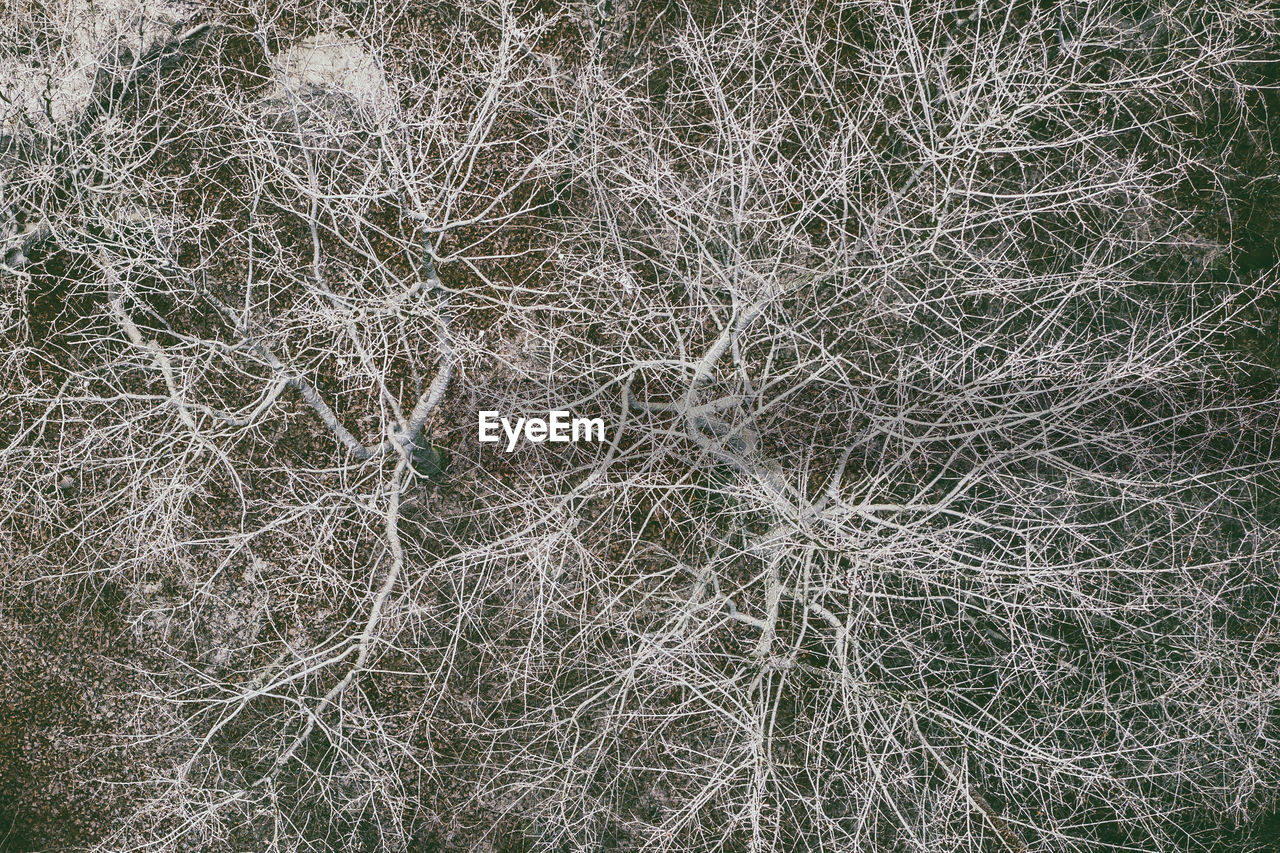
{"x": 938, "y": 509}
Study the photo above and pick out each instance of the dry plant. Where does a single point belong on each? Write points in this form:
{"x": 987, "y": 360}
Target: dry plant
{"x": 937, "y": 345}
